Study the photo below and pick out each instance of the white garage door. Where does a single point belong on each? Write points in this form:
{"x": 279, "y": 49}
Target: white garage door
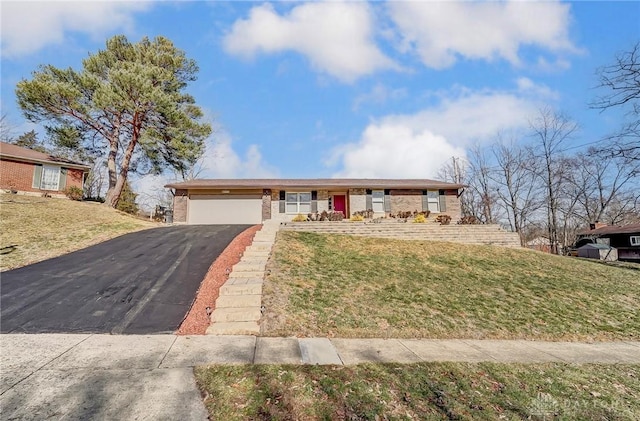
{"x": 225, "y": 209}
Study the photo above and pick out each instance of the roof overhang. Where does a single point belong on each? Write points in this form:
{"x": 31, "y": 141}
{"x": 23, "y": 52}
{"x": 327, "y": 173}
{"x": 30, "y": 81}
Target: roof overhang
{"x": 66, "y": 164}
{"x": 313, "y": 184}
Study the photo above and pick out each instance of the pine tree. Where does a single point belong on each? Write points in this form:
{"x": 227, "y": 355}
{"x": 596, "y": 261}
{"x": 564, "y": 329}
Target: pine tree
{"x": 128, "y": 100}
{"x": 127, "y": 202}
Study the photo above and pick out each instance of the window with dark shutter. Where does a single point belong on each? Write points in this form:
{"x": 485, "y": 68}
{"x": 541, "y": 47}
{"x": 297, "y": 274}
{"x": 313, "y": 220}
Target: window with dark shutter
{"x": 281, "y": 202}
{"x": 314, "y": 201}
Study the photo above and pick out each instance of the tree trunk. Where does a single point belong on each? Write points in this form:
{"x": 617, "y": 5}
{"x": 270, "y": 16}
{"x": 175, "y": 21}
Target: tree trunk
{"x": 118, "y": 180}
{"x": 114, "y": 140}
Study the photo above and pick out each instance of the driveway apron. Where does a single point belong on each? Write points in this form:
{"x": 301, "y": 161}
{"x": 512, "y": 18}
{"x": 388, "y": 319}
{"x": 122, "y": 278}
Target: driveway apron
{"x": 139, "y": 283}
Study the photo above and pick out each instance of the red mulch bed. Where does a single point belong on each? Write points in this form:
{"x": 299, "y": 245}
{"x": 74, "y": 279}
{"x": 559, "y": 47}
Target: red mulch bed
{"x": 197, "y": 321}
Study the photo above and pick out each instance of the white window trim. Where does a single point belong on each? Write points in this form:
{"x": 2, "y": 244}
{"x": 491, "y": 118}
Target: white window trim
{"x": 634, "y": 240}
{"x": 433, "y": 200}
{"x": 377, "y": 200}
{"x": 44, "y": 171}
{"x": 298, "y": 202}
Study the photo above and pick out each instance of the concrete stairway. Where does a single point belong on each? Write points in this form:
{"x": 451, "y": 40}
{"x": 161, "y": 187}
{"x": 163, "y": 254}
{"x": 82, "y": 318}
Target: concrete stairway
{"x": 238, "y": 307}
{"x": 430, "y": 231}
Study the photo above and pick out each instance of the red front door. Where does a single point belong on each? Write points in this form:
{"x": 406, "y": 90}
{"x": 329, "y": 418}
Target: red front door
{"x": 340, "y": 204}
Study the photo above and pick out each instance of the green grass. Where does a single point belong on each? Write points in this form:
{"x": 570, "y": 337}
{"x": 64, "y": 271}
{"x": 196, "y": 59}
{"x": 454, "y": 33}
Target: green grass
{"x": 38, "y": 228}
{"x": 425, "y": 391}
{"x": 342, "y": 286}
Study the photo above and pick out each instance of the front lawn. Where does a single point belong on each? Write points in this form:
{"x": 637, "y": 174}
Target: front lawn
{"x": 342, "y": 286}
{"x": 38, "y": 228}
{"x": 425, "y": 391}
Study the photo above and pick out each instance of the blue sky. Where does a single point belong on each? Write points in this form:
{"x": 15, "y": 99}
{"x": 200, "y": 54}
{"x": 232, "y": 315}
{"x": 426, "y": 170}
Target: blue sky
{"x": 357, "y": 89}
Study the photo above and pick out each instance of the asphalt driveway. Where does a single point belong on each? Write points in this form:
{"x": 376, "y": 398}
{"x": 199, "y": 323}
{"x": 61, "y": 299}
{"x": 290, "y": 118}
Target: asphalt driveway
{"x": 139, "y": 283}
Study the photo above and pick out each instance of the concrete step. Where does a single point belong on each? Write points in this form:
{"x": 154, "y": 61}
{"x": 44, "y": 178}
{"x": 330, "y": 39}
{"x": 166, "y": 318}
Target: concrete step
{"x": 238, "y": 301}
{"x": 234, "y": 328}
{"x": 236, "y": 314}
{"x": 246, "y": 289}
{"x": 248, "y": 267}
{"x": 260, "y": 247}
{"x": 244, "y": 281}
{"x": 251, "y": 260}
{"x": 240, "y": 274}
{"x": 258, "y": 253}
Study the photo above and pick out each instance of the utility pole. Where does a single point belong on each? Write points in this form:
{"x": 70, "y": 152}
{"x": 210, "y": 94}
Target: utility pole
{"x": 456, "y": 170}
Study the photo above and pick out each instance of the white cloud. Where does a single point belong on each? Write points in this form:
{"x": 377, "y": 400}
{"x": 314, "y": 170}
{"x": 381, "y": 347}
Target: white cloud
{"x": 379, "y": 94}
{"x": 393, "y": 150}
{"x": 222, "y": 161}
{"x": 417, "y": 145}
{"x": 336, "y": 37}
{"x": 29, "y": 26}
{"x": 442, "y": 32}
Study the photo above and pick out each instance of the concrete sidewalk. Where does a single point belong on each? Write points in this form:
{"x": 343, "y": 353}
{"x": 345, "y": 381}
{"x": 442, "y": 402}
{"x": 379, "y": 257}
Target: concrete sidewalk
{"x": 86, "y": 376}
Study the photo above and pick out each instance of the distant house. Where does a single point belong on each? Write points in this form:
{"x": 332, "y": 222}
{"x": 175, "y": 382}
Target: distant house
{"x": 27, "y": 171}
{"x": 624, "y": 238}
{"x": 540, "y": 243}
{"x": 252, "y": 201}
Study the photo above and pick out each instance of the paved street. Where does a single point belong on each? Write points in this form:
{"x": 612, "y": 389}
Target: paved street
{"x": 139, "y": 283}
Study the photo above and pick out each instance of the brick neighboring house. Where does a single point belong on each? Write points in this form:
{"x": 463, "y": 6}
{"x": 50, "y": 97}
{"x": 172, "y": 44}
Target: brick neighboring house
{"x": 31, "y": 172}
{"x": 252, "y": 201}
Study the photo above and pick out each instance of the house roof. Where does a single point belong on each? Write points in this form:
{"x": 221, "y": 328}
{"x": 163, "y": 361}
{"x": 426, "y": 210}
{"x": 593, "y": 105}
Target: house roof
{"x": 612, "y": 229}
{"x": 18, "y": 153}
{"x": 369, "y": 183}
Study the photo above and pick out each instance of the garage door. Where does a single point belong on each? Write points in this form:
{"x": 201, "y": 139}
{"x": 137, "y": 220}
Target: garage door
{"x": 225, "y": 209}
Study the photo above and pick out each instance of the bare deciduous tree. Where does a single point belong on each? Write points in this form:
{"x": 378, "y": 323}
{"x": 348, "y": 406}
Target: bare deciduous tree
{"x": 621, "y": 80}
{"x": 551, "y": 131}
{"x": 515, "y": 180}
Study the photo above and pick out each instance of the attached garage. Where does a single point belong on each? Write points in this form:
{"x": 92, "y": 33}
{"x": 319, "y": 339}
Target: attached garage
{"x": 225, "y": 209}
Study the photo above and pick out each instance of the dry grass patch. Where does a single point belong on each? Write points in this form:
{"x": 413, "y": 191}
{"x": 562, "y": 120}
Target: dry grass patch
{"x": 38, "y": 228}
{"x": 342, "y": 286}
{"x": 425, "y": 391}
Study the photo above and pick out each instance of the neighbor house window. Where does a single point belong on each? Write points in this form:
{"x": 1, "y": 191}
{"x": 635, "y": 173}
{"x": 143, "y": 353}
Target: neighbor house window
{"x": 635, "y": 240}
{"x": 433, "y": 200}
{"x": 50, "y": 178}
{"x": 298, "y": 202}
{"x": 377, "y": 200}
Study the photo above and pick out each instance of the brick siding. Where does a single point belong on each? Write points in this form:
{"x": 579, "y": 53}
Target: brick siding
{"x": 180, "y": 206}
{"x": 452, "y": 202}
{"x": 19, "y": 176}
{"x": 406, "y": 200}
{"x": 357, "y": 201}
{"x": 266, "y": 204}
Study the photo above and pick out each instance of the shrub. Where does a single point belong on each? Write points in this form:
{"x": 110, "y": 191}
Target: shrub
{"x": 420, "y": 219}
{"x": 73, "y": 193}
{"x": 468, "y": 220}
{"x": 409, "y": 214}
{"x": 356, "y": 218}
{"x": 367, "y": 214}
{"x": 443, "y": 219}
{"x": 299, "y": 218}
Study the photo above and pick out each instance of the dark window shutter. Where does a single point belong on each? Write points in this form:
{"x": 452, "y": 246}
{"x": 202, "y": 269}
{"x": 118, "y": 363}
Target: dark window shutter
{"x": 443, "y": 203}
{"x": 62, "y": 184}
{"x": 369, "y": 202}
{"x": 425, "y": 201}
{"x": 37, "y": 176}
{"x": 387, "y": 201}
{"x": 314, "y": 201}
{"x": 281, "y": 202}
